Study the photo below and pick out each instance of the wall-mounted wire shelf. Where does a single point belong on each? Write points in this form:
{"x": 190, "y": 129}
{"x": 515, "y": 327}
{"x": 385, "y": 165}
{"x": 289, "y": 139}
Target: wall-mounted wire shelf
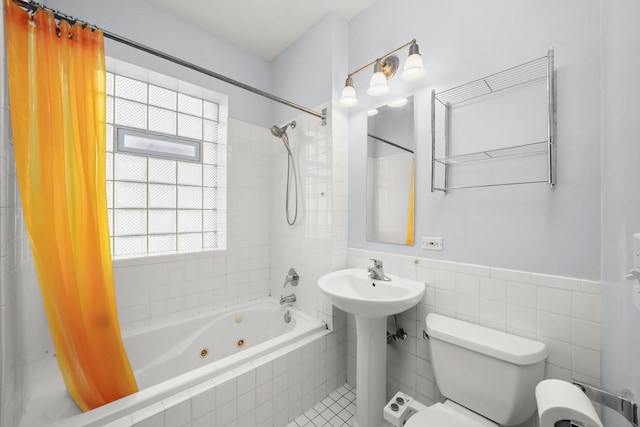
{"x": 529, "y": 72}
{"x": 502, "y": 184}
{"x": 510, "y": 78}
{"x": 500, "y": 153}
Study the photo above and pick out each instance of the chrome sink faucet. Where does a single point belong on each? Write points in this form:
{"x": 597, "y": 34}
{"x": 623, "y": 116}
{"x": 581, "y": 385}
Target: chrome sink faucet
{"x": 376, "y": 272}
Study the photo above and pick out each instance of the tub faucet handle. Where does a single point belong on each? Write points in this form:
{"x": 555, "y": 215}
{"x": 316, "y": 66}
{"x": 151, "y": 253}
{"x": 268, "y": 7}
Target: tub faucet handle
{"x": 292, "y": 277}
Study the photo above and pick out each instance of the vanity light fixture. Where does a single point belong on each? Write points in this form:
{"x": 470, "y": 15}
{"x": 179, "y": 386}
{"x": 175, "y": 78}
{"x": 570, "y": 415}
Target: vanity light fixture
{"x": 385, "y": 68}
{"x": 372, "y": 112}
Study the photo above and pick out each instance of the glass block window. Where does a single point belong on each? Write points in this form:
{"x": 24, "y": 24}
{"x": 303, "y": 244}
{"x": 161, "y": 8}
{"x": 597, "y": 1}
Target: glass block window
{"x": 166, "y": 171}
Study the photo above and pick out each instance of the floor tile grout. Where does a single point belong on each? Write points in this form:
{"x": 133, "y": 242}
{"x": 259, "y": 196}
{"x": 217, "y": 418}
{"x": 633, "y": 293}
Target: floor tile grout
{"x": 336, "y": 410}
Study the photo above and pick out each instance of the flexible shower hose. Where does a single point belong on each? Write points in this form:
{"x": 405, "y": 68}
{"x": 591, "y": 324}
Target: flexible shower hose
{"x": 291, "y": 165}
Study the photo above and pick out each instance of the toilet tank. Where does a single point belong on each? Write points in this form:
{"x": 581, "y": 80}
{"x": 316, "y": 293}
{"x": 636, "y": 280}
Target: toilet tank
{"x": 487, "y": 371}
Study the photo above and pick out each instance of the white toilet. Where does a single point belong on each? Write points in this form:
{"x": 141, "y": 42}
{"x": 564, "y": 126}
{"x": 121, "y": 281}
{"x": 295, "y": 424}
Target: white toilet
{"x": 488, "y": 377}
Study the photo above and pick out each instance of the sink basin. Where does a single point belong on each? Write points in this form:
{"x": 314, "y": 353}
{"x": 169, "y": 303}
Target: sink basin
{"x": 352, "y": 290}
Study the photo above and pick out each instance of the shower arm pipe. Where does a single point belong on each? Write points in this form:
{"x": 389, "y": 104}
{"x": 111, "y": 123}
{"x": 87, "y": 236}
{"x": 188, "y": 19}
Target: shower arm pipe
{"x": 32, "y": 7}
{"x": 380, "y": 59}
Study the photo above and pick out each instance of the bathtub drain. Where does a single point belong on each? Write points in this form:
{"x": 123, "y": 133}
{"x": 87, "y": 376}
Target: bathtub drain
{"x": 204, "y": 353}
{"x": 240, "y": 342}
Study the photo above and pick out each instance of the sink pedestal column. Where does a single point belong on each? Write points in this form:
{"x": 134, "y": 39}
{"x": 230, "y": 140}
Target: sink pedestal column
{"x": 371, "y": 301}
{"x": 371, "y": 371}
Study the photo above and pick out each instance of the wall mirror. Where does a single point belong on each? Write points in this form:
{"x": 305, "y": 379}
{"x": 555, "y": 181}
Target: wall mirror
{"x": 390, "y": 173}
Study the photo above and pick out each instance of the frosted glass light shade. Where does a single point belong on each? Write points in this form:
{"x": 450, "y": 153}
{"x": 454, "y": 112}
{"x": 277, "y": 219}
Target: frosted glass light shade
{"x": 348, "y": 99}
{"x": 378, "y": 84}
{"x": 414, "y": 68}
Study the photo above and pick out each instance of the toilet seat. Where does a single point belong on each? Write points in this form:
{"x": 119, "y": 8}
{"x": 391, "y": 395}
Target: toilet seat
{"x": 448, "y": 414}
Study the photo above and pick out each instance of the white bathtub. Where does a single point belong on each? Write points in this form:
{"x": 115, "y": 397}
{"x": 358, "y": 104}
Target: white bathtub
{"x": 171, "y": 359}
{"x": 227, "y": 338}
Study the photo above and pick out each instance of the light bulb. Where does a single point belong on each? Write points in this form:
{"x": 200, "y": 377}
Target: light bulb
{"x": 372, "y": 112}
{"x": 349, "y": 99}
{"x": 414, "y": 67}
{"x": 378, "y": 84}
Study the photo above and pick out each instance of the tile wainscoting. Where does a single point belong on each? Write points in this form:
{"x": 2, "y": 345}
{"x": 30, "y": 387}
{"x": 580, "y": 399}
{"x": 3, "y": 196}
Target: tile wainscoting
{"x": 270, "y": 391}
{"x": 562, "y": 312}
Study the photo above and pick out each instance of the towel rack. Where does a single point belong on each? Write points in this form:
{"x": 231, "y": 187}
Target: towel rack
{"x": 507, "y": 80}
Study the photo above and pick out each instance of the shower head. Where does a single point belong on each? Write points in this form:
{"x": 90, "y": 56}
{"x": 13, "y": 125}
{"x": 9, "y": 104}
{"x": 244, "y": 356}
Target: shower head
{"x": 279, "y": 131}
{"x": 276, "y": 131}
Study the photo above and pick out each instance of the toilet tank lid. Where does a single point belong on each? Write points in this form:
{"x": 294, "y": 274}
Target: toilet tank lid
{"x": 507, "y": 347}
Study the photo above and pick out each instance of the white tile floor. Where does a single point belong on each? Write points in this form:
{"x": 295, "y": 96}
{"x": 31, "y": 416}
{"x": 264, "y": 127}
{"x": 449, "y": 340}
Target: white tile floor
{"x": 337, "y": 410}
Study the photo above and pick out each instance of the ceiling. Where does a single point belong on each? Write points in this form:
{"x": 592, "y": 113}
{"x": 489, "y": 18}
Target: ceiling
{"x": 264, "y": 28}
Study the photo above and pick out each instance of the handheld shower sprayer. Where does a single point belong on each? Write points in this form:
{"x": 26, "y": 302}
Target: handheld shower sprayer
{"x": 277, "y": 131}
{"x": 281, "y": 132}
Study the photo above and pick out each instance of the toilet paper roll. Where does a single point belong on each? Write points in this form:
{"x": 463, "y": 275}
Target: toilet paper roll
{"x": 559, "y": 400}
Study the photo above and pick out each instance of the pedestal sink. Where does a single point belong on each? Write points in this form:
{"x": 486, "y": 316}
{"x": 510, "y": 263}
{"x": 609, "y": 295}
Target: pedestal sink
{"x": 371, "y": 301}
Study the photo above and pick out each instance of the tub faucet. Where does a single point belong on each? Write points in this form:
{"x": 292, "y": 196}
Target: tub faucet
{"x": 376, "y": 272}
{"x": 291, "y": 277}
{"x": 289, "y": 299}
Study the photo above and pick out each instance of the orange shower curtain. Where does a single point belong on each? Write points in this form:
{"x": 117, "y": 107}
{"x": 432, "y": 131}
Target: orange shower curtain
{"x": 410, "y": 218}
{"x": 57, "y": 98}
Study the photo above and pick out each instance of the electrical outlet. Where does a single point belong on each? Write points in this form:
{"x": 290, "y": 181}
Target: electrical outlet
{"x": 432, "y": 243}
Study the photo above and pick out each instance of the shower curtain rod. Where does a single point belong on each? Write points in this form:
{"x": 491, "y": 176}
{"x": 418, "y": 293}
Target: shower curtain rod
{"x": 377, "y": 138}
{"x": 33, "y": 6}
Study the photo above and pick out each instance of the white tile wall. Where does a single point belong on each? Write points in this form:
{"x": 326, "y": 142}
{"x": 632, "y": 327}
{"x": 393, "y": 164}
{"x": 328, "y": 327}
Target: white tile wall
{"x": 562, "y": 312}
{"x": 317, "y": 243}
{"x": 261, "y": 245}
{"x": 23, "y": 330}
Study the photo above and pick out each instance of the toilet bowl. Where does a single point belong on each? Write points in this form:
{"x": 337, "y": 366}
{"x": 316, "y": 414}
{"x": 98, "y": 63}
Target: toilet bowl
{"x": 487, "y": 376}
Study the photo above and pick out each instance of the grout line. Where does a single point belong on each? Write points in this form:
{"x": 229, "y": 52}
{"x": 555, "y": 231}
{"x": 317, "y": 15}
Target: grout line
{"x": 330, "y": 412}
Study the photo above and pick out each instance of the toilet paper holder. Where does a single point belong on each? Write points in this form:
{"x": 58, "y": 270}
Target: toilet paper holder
{"x": 623, "y": 405}
{"x": 567, "y": 423}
